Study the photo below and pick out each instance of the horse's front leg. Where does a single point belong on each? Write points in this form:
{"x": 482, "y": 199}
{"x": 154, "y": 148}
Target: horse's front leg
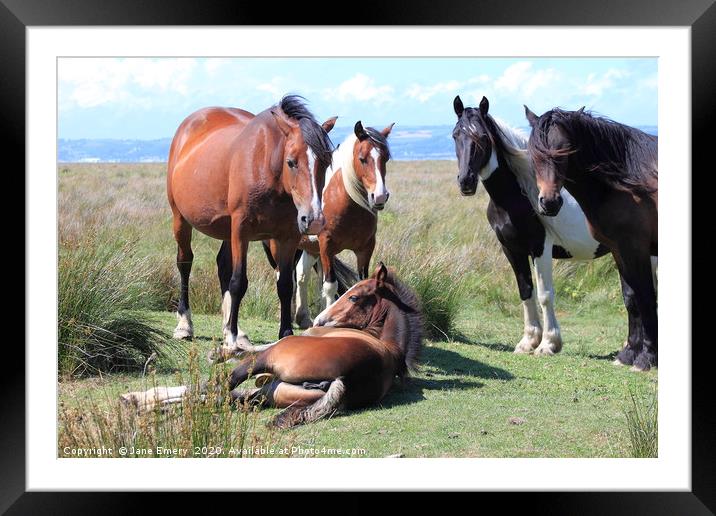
{"x": 636, "y": 271}
{"x": 551, "y": 333}
{"x": 284, "y": 284}
{"x": 303, "y": 269}
{"x": 523, "y": 274}
{"x": 330, "y": 282}
{"x": 363, "y": 257}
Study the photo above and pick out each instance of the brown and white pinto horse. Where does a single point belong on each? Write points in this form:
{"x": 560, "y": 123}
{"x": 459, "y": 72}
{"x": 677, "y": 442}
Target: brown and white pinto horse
{"x": 239, "y": 177}
{"x": 355, "y": 192}
{"x": 611, "y": 169}
{"x": 350, "y": 359}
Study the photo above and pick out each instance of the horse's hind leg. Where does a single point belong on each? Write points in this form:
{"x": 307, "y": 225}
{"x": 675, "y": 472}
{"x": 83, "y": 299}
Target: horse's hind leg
{"x": 185, "y": 257}
{"x": 551, "y": 334}
{"x": 305, "y": 405}
{"x": 303, "y": 268}
{"x": 532, "y": 328}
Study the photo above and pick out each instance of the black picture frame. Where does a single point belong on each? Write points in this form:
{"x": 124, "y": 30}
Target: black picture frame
{"x": 700, "y": 15}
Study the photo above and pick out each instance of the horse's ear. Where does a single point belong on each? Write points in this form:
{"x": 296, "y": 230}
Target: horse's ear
{"x": 360, "y": 131}
{"x": 328, "y": 124}
{"x": 580, "y": 111}
{"x": 380, "y": 274}
{"x": 385, "y": 132}
{"x": 457, "y": 105}
{"x": 282, "y": 123}
{"x": 531, "y": 117}
{"x": 484, "y": 106}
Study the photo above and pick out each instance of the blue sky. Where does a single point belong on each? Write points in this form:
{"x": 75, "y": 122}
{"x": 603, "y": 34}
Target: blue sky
{"x": 137, "y": 98}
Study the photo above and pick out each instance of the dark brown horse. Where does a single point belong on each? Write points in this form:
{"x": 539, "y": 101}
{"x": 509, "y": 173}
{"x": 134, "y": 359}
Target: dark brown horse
{"x": 239, "y": 177}
{"x": 355, "y": 192}
{"x": 360, "y": 344}
{"x": 612, "y": 171}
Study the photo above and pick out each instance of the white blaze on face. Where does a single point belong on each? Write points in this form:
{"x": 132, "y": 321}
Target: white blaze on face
{"x": 380, "y": 192}
{"x": 315, "y": 201}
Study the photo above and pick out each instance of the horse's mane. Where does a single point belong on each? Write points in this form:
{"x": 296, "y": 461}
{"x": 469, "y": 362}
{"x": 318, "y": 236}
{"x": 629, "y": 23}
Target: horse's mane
{"x": 623, "y": 157}
{"x": 410, "y": 332}
{"x": 512, "y": 143}
{"x": 314, "y": 135}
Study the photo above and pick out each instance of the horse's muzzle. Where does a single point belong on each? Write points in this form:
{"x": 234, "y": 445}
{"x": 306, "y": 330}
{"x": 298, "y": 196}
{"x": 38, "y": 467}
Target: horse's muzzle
{"x": 310, "y": 225}
{"x": 550, "y": 207}
{"x": 468, "y": 185}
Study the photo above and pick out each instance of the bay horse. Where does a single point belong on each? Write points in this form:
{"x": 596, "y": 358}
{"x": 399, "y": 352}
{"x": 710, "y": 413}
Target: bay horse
{"x": 612, "y": 171}
{"x": 238, "y": 177}
{"x": 350, "y": 359}
{"x": 490, "y": 151}
{"x": 354, "y": 193}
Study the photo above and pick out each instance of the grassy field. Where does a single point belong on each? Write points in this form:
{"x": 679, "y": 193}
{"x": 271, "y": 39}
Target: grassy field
{"x": 471, "y": 398}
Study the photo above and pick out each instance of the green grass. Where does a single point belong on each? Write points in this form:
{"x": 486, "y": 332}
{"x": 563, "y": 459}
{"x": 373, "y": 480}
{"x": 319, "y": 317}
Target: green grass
{"x": 472, "y": 396}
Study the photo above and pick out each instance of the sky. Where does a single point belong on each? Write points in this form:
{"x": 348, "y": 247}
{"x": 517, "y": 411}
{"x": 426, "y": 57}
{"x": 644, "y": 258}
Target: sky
{"x": 147, "y": 98}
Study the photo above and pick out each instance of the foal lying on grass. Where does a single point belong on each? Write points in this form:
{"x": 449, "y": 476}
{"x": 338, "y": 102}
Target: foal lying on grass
{"x": 348, "y": 359}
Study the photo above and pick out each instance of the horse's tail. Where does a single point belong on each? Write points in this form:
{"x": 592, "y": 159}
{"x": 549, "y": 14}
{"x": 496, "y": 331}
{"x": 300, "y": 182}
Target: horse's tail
{"x": 345, "y": 275}
{"x": 324, "y": 407}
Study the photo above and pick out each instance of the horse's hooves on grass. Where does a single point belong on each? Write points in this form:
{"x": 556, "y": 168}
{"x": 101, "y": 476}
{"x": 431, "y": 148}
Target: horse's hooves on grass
{"x": 183, "y": 334}
{"x": 637, "y": 369}
{"x": 524, "y": 350}
{"x": 544, "y": 351}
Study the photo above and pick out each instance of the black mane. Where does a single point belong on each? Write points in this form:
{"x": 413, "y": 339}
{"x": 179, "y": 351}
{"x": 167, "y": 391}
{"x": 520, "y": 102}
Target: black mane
{"x": 409, "y": 305}
{"x": 313, "y": 133}
{"x": 380, "y": 141}
{"x": 621, "y": 156}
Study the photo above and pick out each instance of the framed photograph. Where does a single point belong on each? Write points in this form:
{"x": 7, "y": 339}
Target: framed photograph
{"x": 419, "y": 253}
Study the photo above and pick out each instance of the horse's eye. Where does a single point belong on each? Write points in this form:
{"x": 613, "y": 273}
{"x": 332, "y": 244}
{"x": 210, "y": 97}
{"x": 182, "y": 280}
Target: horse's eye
{"x": 363, "y": 160}
{"x": 353, "y": 299}
{"x": 291, "y": 163}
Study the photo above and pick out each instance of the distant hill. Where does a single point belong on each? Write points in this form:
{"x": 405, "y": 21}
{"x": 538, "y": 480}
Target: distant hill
{"x": 408, "y": 143}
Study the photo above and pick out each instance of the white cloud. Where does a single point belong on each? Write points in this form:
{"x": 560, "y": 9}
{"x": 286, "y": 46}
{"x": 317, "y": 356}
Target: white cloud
{"x": 424, "y": 93}
{"x": 362, "y": 88}
{"x": 90, "y": 82}
{"x": 276, "y": 87}
{"x": 596, "y": 84}
{"x": 521, "y": 78}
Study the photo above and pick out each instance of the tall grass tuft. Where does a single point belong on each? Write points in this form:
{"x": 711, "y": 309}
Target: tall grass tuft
{"x": 642, "y": 418}
{"x": 101, "y": 292}
{"x": 435, "y": 277}
{"x": 205, "y": 424}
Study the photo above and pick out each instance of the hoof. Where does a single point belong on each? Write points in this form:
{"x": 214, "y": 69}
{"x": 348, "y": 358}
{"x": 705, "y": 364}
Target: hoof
{"x": 639, "y": 369}
{"x": 262, "y": 379}
{"x": 545, "y": 350}
{"x": 183, "y": 333}
{"x": 618, "y": 362}
{"x": 304, "y": 322}
{"x": 523, "y": 350}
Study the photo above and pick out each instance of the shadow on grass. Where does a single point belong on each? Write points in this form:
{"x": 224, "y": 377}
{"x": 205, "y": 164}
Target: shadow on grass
{"x": 494, "y": 346}
{"x": 412, "y": 391}
{"x": 451, "y": 362}
{"x": 609, "y": 356}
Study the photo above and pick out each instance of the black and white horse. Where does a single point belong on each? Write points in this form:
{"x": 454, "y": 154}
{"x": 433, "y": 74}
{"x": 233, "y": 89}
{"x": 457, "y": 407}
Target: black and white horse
{"x": 496, "y": 154}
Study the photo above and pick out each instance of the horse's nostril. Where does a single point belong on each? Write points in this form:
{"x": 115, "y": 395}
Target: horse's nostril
{"x": 304, "y": 218}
